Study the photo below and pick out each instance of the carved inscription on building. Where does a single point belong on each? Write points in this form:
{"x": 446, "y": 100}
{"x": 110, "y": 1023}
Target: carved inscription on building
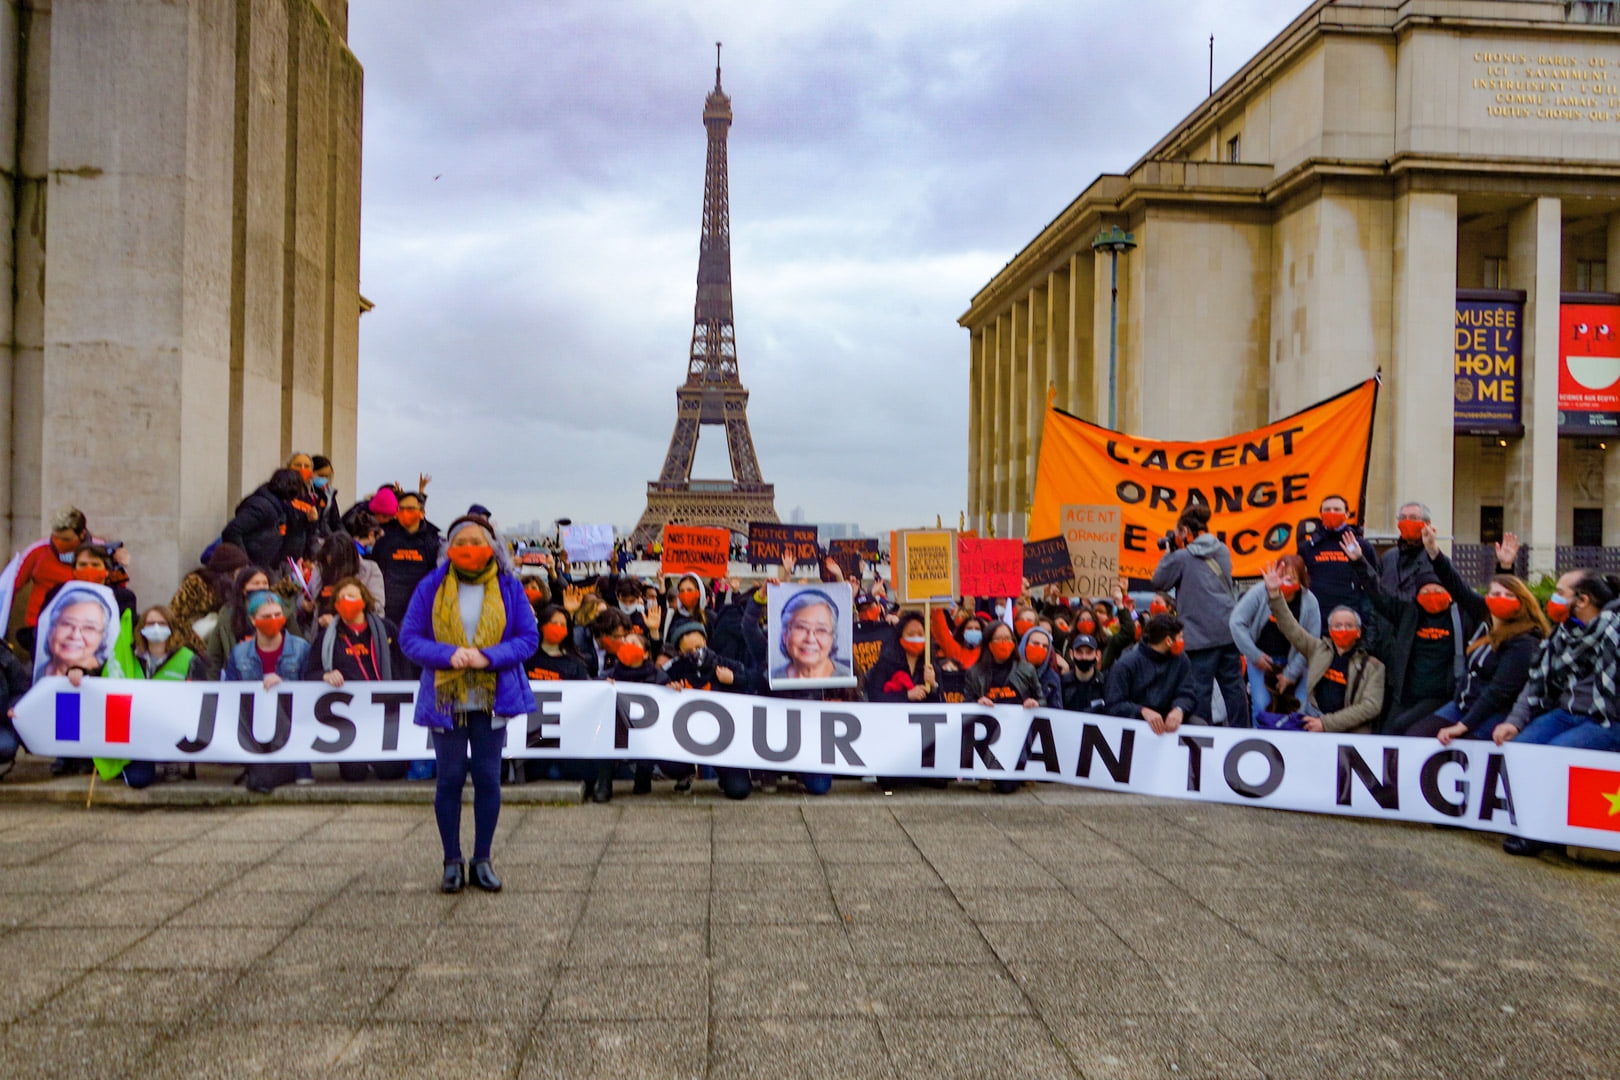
{"x": 1532, "y": 85}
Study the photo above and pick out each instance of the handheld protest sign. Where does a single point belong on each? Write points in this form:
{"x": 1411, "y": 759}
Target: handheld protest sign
{"x": 925, "y": 569}
{"x": 812, "y": 635}
{"x": 769, "y": 541}
{"x": 990, "y": 567}
{"x": 79, "y": 628}
{"x": 1092, "y": 534}
{"x": 1047, "y": 562}
{"x": 695, "y": 549}
{"x": 588, "y": 543}
{"x": 850, "y": 554}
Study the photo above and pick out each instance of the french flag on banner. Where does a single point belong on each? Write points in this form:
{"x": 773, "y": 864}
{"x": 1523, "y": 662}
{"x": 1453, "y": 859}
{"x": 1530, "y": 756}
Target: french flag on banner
{"x": 70, "y": 717}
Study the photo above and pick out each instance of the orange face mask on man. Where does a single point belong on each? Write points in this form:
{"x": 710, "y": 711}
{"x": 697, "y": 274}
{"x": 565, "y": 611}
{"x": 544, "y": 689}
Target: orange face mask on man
{"x": 409, "y": 517}
{"x": 96, "y": 575}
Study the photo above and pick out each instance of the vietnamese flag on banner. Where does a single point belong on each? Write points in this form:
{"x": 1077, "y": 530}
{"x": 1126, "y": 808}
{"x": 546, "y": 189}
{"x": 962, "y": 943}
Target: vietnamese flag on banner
{"x": 1594, "y": 798}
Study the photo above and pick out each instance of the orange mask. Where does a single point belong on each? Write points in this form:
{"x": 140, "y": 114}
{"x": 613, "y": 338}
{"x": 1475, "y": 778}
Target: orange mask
{"x": 688, "y": 597}
{"x": 1035, "y": 654}
{"x": 1178, "y": 646}
{"x": 93, "y": 574}
{"x": 1434, "y": 601}
{"x": 409, "y": 518}
{"x": 1158, "y": 607}
{"x": 351, "y": 609}
{"x": 470, "y": 558}
{"x": 1001, "y": 650}
{"x": 1022, "y": 627}
{"x": 1333, "y": 519}
{"x": 913, "y": 646}
{"x": 63, "y": 549}
{"x": 532, "y": 592}
{"x": 553, "y": 633}
{"x": 1411, "y": 531}
{"x": 1344, "y": 639}
{"x": 1503, "y": 607}
{"x": 270, "y": 625}
{"x": 1290, "y": 590}
{"x": 631, "y": 654}
{"x": 306, "y": 472}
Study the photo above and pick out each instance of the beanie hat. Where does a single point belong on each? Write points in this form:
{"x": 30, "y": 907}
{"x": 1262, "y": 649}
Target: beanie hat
{"x": 384, "y": 502}
{"x": 684, "y": 627}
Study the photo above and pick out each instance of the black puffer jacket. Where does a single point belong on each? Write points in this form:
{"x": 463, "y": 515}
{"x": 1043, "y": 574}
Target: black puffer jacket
{"x": 264, "y": 527}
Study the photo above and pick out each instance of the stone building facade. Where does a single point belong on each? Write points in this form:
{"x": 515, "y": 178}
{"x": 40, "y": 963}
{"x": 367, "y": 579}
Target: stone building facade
{"x": 1319, "y": 218}
{"x": 183, "y": 242}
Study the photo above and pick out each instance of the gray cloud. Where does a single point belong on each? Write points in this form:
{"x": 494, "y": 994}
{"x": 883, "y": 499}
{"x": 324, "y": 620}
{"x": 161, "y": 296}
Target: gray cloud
{"x": 534, "y": 302}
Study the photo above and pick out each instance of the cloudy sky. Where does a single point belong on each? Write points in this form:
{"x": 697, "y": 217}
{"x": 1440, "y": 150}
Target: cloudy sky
{"x": 533, "y": 184}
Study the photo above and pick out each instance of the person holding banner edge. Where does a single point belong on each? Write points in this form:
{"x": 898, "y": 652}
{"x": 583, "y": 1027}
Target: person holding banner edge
{"x": 470, "y": 628}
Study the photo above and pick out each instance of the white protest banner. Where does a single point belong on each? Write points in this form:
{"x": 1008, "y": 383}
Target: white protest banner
{"x": 1534, "y": 791}
{"x": 588, "y": 543}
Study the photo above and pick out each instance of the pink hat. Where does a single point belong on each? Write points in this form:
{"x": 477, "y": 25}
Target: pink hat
{"x": 384, "y": 502}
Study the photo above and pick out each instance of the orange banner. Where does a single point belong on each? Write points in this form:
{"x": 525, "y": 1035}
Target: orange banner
{"x": 695, "y": 549}
{"x": 1259, "y": 485}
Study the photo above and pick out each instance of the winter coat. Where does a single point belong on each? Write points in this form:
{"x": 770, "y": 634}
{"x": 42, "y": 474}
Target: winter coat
{"x": 1404, "y": 569}
{"x": 1406, "y": 616}
{"x": 268, "y": 529}
{"x": 506, "y": 657}
{"x": 1203, "y": 591}
{"x": 1089, "y": 696}
{"x": 995, "y": 680}
{"x": 1251, "y": 616}
{"x": 1146, "y": 678}
{"x": 1364, "y": 680}
{"x": 1334, "y": 580}
{"x": 1494, "y": 676}
{"x": 1051, "y": 694}
{"x": 892, "y": 662}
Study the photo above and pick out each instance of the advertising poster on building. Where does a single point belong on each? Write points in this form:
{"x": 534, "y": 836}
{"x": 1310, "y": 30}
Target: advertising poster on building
{"x": 812, "y": 632}
{"x": 1260, "y": 485}
{"x": 1589, "y": 369}
{"x": 1488, "y": 361}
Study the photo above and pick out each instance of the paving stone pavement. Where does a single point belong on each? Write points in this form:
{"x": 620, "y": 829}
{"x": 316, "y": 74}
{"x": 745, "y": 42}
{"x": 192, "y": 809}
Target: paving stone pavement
{"x": 959, "y": 934}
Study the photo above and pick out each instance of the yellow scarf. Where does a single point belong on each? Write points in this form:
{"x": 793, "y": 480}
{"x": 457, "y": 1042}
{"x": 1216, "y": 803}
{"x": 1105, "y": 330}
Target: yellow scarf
{"x": 468, "y": 688}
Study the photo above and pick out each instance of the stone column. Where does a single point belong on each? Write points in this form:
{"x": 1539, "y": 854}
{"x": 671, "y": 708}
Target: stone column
{"x": 975, "y": 403}
{"x": 1018, "y": 437}
{"x": 1004, "y": 420}
{"x": 1100, "y": 301}
{"x": 1419, "y": 388}
{"x": 1034, "y": 392}
{"x": 1531, "y": 505}
{"x": 1059, "y": 339}
{"x": 1082, "y": 399}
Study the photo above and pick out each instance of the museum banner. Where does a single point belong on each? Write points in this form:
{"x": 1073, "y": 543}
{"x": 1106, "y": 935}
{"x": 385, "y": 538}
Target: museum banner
{"x": 1488, "y": 360}
{"x": 1260, "y": 485}
{"x": 1589, "y": 369}
{"x": 1547, "y": 793}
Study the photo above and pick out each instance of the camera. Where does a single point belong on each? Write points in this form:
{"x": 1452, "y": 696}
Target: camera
{"x": 1168, "y": 541}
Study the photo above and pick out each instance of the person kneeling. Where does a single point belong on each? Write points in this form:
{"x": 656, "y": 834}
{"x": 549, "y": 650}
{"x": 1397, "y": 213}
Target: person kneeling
{"x": 1153, "y": 679}
{"x": 356, "y": 646}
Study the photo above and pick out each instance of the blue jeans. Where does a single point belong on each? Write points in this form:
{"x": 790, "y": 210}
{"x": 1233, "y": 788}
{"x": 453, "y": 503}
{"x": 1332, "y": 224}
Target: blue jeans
{"x": 140, "y": 774}
{"x": 1259, "y": 696}
{"x": 450, "y": 750}
{"x": 9, "y": 743}
{"x": 815, "y": 783}
{"x": 1563, "y": 728}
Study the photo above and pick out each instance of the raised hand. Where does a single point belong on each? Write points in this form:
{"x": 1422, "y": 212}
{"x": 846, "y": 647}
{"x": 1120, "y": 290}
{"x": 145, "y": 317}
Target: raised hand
{"x": 1431, "y": 540}
{"x": 1351, "y": 547}
{"x": 1507, "y": 551}
{"x": 1272, "y": 574}
{"x": 422, "y": 481}
{"x": 573, "y": 597}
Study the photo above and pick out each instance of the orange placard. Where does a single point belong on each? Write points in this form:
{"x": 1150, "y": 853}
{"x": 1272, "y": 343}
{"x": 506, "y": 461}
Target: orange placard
{"x": 694, "y": 549}
{"x": 1259, "y": 485}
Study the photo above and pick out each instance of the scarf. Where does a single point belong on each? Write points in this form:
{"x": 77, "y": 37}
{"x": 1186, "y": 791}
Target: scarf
{"x": 1567, "y": 657}
{"x": 467, "y": 688}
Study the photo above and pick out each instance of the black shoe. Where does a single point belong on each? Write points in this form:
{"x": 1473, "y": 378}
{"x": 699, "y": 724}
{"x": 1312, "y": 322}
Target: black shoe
{"x": 1523, "y": 845}
{"x": 684, "y": 784}
{"x": 455, "y": 876}
{"x": 603, "y": 791}
{"x": 484, "y": 877}
{"x": 643, "y": 785}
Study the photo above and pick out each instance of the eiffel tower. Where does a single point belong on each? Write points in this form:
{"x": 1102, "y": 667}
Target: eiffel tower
{"x": 713, "y": 393}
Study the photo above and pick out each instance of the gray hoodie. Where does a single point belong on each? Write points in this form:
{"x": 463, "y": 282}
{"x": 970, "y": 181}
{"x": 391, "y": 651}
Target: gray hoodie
{"x": 1203, "y": 594}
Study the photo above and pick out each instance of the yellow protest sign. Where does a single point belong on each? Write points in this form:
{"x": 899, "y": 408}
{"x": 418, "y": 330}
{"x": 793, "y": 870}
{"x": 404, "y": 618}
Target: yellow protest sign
{"x": 926, "y": 566}
{"x": 1259, "y": 485}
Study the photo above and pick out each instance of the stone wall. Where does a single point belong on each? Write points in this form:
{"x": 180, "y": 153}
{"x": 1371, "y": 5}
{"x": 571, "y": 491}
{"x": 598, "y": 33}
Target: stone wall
{"x": 185, "y": 261}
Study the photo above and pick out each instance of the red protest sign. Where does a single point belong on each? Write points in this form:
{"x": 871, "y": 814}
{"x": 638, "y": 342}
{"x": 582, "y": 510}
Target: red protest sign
{"x": 694, "y": 549}
{"x": 990, "y": 567}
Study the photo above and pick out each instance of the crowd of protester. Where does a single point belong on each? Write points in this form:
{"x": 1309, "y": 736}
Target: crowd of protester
{"x": 1329, "y": 639}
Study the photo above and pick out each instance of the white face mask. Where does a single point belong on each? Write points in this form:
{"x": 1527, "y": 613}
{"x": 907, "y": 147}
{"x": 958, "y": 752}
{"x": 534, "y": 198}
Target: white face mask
{"x": 156, "y": 632}
{"x": 633, "y": 609}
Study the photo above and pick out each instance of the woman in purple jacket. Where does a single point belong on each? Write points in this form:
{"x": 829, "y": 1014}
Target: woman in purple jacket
{"x": 470, "y": 628}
